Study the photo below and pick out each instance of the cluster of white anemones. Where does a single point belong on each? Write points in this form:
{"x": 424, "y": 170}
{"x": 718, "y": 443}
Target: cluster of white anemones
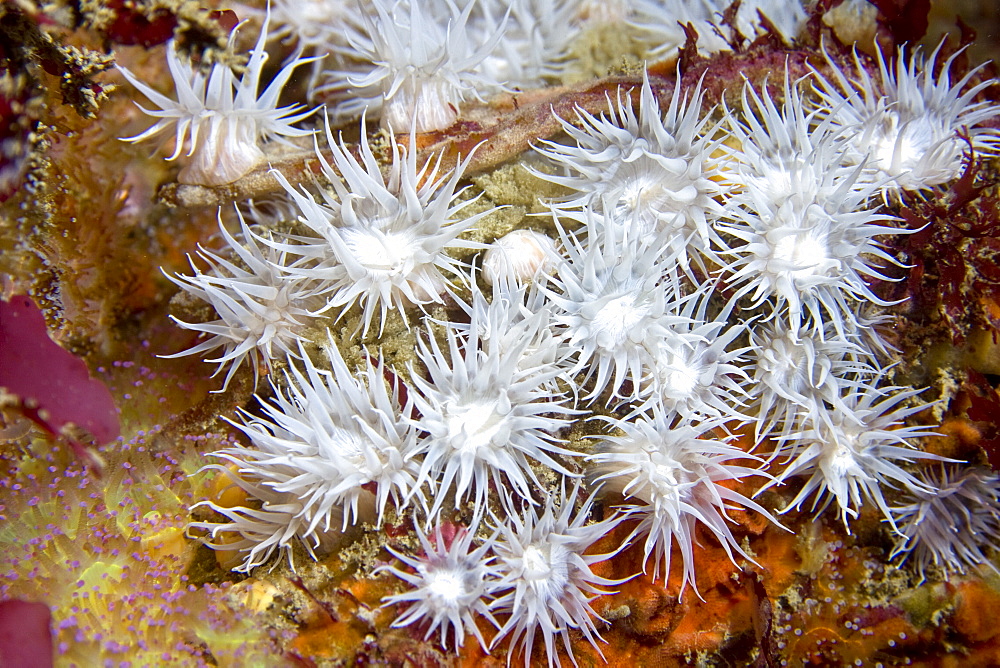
{"x": 412, "y": 64}
{"x": 779, "y": 206}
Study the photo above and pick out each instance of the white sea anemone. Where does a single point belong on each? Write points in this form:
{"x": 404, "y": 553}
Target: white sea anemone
{"x": 318, "y": 26}
{"x": 452, "y": 583}
{"x": 697, "y": 370}
{"x": 649, "y": 172}
{"x": 536, "y": 36}
{"x": 517, "y": 321}
{"x": 547, "y": 576}
{"x": 219, "y": 119}
{"x": 383, "y": 238}
{"x": 954, "y": 525}
{"x": 806, "y": 219}
{"x": 519, "y": 256}
{"x": 796, "y": 373}
{"x": 485, "y": 412}
{"x": 849, "y": 453}
{"x": 327, "y": 438}
{"x": 910, "y": 124}
{"x": 787, "y": 151}
{"x": 282, "y": 520}
{"x": 662, "y": 24}
{"x": 613, "y": 303}
{"x": 811, "y": 247}
{"x": 262, "y": 308}
{"x": 419, "y": 67}
{"x": 669, "y": 471}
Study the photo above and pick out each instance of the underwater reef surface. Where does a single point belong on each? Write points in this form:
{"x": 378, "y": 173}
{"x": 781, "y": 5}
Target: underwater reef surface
{"x": 137, "y": 509}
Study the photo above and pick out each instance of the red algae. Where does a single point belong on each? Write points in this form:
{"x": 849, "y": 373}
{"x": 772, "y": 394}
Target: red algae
{"x": 25, "y": 634}
{"x": 47, "y": 384}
